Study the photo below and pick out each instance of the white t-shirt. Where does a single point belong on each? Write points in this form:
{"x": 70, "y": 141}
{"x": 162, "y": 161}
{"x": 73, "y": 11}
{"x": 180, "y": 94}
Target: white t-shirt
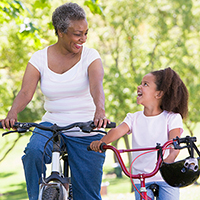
{"x": 67, "y": 95}
{"x": 147, "y": 132}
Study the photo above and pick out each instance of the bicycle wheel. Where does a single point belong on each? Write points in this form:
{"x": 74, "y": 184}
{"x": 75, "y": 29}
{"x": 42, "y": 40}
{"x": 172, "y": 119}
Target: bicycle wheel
{"x": 52, "y": 193}
{"x": 70, "y": 192}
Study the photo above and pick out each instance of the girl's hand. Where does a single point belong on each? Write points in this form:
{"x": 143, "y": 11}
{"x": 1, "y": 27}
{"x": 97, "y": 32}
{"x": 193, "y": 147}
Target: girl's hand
{"x": 95, "y": 146}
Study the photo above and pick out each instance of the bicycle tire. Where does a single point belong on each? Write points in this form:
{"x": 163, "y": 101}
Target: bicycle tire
{"x": 51, "y": 193}
{"x": 70, "y": 192}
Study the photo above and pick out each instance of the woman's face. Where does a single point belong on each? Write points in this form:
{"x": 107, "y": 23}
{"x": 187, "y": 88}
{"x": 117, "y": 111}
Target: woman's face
{"x": 75, "y": 36}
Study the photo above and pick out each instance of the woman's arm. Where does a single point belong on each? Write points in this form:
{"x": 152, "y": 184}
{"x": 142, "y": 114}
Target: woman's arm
{"x": 29, "y": 84}
{"x": 112, "y": 135}
{"x": 173, "y": 152}
{"x": 96, "y": 74}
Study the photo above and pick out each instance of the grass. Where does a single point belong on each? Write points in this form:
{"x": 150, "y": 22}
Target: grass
{"x": 13, "y": 186}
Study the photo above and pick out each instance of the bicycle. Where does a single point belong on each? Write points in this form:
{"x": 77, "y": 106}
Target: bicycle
{"x": 187, "y": 170}
{"x": 58, "y": 185}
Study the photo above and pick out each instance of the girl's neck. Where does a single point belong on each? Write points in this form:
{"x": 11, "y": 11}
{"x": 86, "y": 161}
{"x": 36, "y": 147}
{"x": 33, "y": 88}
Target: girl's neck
{"x": 152, "y": 112}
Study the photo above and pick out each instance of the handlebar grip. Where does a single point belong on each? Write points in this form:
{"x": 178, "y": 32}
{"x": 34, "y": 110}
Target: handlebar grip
{"x": 2, "y": 126}
{"x": 88, "y": 148}
{"x": 111, "y": 125}
{"x": 101, "y": 147}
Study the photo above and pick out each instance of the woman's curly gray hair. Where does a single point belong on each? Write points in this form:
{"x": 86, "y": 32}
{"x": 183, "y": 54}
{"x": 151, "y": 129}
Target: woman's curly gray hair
{"x": 64, "y": 14}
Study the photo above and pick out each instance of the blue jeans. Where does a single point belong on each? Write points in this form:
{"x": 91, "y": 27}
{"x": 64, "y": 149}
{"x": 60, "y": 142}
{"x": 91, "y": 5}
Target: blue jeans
{"x": 166, "y": 192}
{"x": 86, "y": 167}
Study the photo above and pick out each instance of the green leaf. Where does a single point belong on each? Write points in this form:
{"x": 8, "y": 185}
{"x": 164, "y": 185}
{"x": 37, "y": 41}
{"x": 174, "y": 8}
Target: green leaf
{"x": 94, "y": 7}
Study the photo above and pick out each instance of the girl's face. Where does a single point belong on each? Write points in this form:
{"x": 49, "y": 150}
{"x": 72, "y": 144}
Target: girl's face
{"x": 75, "y": 36}
{"x": 147, "y": 93}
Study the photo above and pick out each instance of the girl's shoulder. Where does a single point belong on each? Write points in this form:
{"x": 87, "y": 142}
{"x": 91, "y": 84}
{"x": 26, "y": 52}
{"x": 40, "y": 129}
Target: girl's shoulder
{"x": 172, "y": 116}
{"x": 135, "y": 114}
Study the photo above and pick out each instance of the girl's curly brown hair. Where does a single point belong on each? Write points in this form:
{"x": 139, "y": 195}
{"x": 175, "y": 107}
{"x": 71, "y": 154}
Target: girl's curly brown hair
{"x": 175, "y": 93}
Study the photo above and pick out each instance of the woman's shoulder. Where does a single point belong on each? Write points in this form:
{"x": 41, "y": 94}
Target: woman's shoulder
{"x": 38, "y": 59}
{"x": 40, "y": 53}
{"x": 89, "y": 51}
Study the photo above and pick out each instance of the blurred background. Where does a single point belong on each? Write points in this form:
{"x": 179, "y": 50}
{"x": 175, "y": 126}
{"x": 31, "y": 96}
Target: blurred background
{"x": 133, "y": 38}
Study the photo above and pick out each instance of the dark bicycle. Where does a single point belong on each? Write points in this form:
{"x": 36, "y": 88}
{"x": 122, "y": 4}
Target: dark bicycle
{"x": 58, "y": 185}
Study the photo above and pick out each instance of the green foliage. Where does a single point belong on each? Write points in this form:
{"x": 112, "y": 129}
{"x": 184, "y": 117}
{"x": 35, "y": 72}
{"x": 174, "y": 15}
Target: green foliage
{"x": 94, "y": 7}
{"x": 133, "y": 38}
{"x": 138, "y": 37}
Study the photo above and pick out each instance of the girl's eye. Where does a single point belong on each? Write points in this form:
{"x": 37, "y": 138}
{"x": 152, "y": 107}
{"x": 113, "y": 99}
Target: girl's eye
{"x": 77, "y": 35}
{"x": 145, "y": 84}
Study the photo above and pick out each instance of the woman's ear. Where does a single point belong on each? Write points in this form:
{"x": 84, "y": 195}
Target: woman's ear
{"x": 60, "y": 34}
{"x": 159, "y": 94}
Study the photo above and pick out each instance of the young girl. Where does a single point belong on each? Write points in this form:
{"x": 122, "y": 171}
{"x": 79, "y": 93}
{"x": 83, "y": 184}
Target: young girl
{"x": 165, "y": 100}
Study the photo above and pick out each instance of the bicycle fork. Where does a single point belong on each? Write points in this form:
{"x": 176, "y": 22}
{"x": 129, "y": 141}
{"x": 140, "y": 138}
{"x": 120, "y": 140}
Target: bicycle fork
{"x": 143, "y": 190}
{"x": 56, "y": 179}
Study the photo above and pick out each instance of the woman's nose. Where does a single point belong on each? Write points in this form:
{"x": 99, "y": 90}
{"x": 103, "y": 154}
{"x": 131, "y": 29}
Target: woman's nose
{"x": 83, "y": 38}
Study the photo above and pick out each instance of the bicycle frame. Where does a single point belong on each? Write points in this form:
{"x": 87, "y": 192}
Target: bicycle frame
{"x": 141, "y": 177}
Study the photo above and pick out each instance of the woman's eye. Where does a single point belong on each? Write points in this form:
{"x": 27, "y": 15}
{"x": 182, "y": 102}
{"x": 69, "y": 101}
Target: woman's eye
{"x": 145, "y": 84}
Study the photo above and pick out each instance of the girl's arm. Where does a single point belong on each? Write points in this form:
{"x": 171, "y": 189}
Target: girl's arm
{"x": 173, "y": 152}
{"x": 112, "y": 135}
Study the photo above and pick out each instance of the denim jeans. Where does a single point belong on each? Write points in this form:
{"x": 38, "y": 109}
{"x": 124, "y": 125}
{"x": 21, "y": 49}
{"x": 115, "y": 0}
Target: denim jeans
{"x": 166, "y": 192}
{"x": 86, "y": 167}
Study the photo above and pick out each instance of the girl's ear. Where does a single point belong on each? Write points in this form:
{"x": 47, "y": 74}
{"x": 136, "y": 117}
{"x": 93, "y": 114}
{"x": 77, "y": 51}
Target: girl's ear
{"x": 159, "y": 94}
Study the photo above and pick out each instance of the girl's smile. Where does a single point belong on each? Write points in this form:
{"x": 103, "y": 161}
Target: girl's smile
{"x": 148, "y": 95}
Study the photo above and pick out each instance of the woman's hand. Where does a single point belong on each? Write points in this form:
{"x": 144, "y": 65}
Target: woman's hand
{"x": 100, "y": 119}
{"x": 95, "y": 146}
{"x": 9, "y": 121}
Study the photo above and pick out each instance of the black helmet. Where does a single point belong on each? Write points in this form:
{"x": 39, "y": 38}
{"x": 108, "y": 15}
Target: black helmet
{"x": 184, "y": 172}
{"x": 181, "y": 173}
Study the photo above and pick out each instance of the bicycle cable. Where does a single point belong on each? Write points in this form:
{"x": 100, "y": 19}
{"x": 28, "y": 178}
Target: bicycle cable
{"x": 130, "y": 169}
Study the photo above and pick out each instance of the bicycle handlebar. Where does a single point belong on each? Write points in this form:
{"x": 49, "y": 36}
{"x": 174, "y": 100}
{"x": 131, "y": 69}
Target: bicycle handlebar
{"x": 86, "y": 127}
{"x": 176, "y": 142}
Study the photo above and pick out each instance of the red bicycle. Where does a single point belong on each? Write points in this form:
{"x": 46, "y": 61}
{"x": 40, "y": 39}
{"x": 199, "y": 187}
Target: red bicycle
{"x": 186, "y": 171}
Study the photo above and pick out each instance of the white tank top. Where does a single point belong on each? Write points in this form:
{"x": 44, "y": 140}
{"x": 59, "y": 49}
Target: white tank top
{"x": 67, "y": 95}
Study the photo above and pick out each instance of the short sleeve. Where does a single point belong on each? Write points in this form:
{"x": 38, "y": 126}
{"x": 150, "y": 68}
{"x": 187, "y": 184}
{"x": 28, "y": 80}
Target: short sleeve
{"x": 175, "y": 121}
{"x": 38, "y": 60}
{"x": 129, "y": 121}
{"x": 92, "y": 55}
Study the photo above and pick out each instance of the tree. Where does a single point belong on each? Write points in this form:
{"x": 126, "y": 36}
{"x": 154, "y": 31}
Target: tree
{"x": 137, "y": 37}
{"x": 25, "y": 28}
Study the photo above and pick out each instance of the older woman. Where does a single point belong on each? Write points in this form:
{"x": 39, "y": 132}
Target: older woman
{"x": 70, "y": 76}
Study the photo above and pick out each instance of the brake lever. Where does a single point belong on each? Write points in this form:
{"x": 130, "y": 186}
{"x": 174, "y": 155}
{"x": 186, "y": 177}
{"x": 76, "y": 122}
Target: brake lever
{"x": 87, "y": 128}
{"x": 18, "y": 130}
{"x": 6, "y": 133}
{"x": 177, "y": 145}
{"x": 104, "y": 132}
